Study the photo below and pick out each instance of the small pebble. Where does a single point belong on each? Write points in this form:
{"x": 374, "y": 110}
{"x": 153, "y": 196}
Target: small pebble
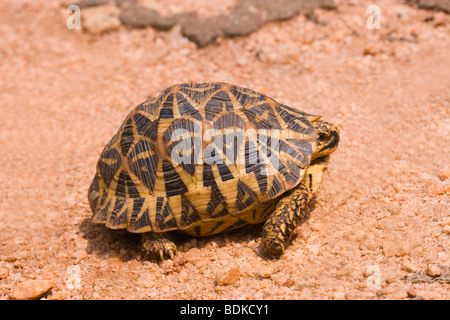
{"x": 433, "y": 270}
{"x": 436, "y": 188}
{"x": 412, "y": 293}
{"x": 4, "y": 272}
{"x": 32, "y": 289}
{"x": 266, "y": 272}
{"x": 227, "y": 276}
{"x": 100, "y": 19}
{"x": 409, "y": 267}
{"x": 444, "y": 174}
{"x": 80, "y": 255}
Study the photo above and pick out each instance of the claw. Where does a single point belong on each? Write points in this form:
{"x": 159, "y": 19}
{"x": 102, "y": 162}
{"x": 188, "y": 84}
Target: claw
{"x": 158, "y": 247}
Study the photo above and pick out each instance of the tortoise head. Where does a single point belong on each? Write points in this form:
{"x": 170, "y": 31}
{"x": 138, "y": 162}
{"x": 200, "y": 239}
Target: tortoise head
{"x": 328, "y": 139}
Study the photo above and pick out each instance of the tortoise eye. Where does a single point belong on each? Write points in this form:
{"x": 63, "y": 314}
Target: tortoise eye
{"x": 323, "y": 136}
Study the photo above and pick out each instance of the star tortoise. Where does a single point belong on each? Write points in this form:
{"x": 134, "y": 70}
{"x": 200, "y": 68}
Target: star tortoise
{"x": 204, "y": 158}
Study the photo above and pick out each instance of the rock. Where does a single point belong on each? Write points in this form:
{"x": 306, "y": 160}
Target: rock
{"x": 100, "y": 19}
{"x": 204, "y": 31}
{"x": 446, "y": 229}
{"x": 447, "y": 188}
{"x": 32, "y": 289}
{"x": 166, "y": 23}
{"x": 281, "y": 10}
{"x": 409, "y": 267}
{"x": 228, "y": 276}
{"x": 411, "y": 293}
{"x": 139, "y": 17}
{"x": 286, "y": 9}
{"x": 194, "y": 256}
{"x": 433, "y": 270}
{"x": 444, "y": 174}
{"x": 74, "y": 277}
{"x": 222, "y": 254}
{"x": 265, "y": 272}
{"x": 79, "y": 254}
{"x": 446, "y": 221}
{"x": 442, "y": 5}
{"x": 242, "y": 21}
{"x": 290, "y": 282}
{"x": 89, "y": 3}
{"x": 4, "y": 272}
{"x": 436, "y": 188}
{"x": 125, "y": 3}
{"x": 394, "y": 248}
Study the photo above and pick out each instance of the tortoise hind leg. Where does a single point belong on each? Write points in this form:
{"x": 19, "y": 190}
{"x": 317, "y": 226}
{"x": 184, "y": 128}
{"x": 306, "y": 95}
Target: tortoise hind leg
{"x": 291, "y": 209}
{"x": 158, "y": 246}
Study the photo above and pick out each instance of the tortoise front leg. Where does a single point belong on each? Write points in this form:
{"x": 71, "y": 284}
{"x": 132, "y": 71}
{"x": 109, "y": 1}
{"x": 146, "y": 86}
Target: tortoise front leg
{"x": 291, "y": 209}
{"x": 157, "y": 246}
{"x": 281, "y": 224}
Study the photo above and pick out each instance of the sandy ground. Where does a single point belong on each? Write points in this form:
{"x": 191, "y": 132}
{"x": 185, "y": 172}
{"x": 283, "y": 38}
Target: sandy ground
{"x": 380, "y": 220}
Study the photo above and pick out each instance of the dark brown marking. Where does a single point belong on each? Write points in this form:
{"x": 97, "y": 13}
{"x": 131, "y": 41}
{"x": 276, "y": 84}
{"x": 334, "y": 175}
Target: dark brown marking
{"x": 199, "y": 92}
{"x": 145, "y": 162}
{"x": 236, "y": 225}
{"x": 163, "y": 211}
{"x": 294, "y": 111}
{"x": 224, "y": 172}
{"x": 137, "y": 205}
{"x": 149, "y": 107}
{"x": 189, "y": 214}
{"x": 110, "y": 165}
{"x": 292, "y": 172}
{"x": 267, "y": 211}
{"x": 115, "y": 219}
{"x": 126, "y": 187}
{"x": 246, "y": 96}
{"x": 145, "y": 127}
{"x": 118, "y": 205}
{"x": 261, "y": 177}
{"x": 186, "y": 108}
{"x": 218, "y": 224}
{"x": 104, "y": 212}
{"x": 256, "y": 115}
{"x": 245, "y": 196}
{"x": 232, "y": 144}
{"x": 120, "y": 188}
{"x": 275, "y": 189}
{"x": 297, "y": 123}
{"x": 217, "y": 205}
{"x": 103, "y": 198}
{"x": 219, "y": 102}
{"x": 142, "y": 222}
{"x": 190, "y": 146}
{"x": 208, "y": 177}
{"x": 174, "y": 183}
{"x": 298, "y": 156}
{"x": 166, "y": 111}
{"x": 229, "y": 120}
{"x": 255, "y": 163}
{"x": 126, "y": 138}
{"x": 253, "y": 160}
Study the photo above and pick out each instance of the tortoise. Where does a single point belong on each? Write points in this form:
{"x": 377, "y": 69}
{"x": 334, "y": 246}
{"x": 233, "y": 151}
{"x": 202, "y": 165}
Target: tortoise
{"x": 204, "y": 158}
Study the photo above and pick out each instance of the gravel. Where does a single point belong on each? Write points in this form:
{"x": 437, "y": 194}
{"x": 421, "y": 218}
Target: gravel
{"x": 378, "y": 227}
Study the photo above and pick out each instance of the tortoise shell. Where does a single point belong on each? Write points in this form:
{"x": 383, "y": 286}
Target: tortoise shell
{"x": 202, "y": 159}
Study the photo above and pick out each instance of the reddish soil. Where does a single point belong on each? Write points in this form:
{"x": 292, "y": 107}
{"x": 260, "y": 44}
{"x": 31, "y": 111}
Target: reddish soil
{"x": 380, "y": 224}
